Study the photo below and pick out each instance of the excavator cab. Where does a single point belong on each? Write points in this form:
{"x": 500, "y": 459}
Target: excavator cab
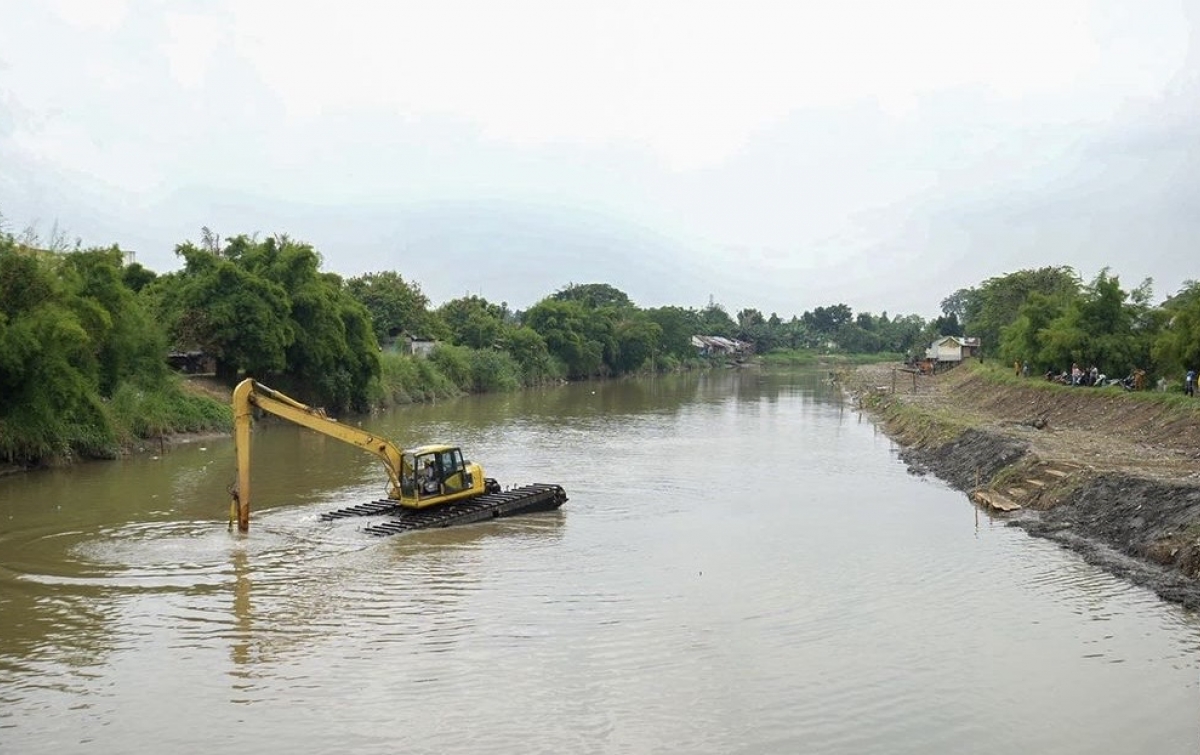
{"x": 432, "y": 474}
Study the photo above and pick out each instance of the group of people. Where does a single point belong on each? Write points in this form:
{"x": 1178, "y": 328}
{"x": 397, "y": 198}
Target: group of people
{"x": 1093, "y": 376}
{"x": 1075, "y": 376}
{"x": 1080, "y": 376}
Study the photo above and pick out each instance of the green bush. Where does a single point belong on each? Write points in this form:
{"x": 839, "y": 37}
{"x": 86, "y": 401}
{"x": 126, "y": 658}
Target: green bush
{"x": 36, "y": 437}
{"x": 544, "y": 370}
{"x": 494, "y": 371}
{"x": 670, "y": 363}
{"x": 408, "y": 379}
{"x": 399, "y": 380}
{"x": 139, "y": 411}
{"x": 455, "y": 363}
{"x": 435, "y": 384}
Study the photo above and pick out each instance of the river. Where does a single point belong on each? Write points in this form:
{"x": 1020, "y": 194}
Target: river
{"x": 744, "y": 566}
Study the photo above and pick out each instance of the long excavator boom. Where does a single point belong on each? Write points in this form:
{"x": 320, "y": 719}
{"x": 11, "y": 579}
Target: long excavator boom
{"x": 250, "y": 393}
{"x": 429, "y": 486}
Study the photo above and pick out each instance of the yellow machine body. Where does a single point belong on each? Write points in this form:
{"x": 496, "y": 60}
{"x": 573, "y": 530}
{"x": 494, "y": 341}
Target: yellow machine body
{"x": 420, "y": 477}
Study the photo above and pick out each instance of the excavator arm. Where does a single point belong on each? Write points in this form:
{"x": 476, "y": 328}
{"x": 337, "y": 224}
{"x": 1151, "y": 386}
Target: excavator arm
{"x": 250, "y": 393}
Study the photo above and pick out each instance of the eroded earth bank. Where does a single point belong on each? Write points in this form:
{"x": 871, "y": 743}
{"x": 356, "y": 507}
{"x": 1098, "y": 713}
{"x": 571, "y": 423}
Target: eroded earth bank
{"x": 1098, "y": 470}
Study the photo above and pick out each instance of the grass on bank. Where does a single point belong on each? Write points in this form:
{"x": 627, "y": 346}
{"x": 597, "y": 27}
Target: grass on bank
{"x": 918, "y": 425}
{"x": 102, "y": 428}
{"x": 139, "y": 412}
{"x": 1172, "y": 397}
{"x": 452, "y": 371}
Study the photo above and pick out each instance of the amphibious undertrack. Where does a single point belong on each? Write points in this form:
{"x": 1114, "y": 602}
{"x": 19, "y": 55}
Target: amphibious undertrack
{"x": 520, "y": 500}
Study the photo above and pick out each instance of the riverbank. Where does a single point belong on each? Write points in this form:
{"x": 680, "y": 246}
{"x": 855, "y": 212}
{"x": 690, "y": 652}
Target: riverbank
{"x": 1112, "y": 475}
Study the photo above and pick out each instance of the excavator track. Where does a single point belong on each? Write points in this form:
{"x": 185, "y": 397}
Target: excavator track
{"x": 520, "y": 500}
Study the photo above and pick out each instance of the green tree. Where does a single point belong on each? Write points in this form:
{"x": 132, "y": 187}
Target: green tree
{"x": 473, "y": 321}
{"x": 956, "y": 304}
{"x": 240, "y": 318}
{"x": 996, "y": 302}
{"x": 795, "y": 334}
{"x": 594, "y": 296}
{"x": 826, "y": 321}
{"x": 752, "y": 327}
{"x": 678, "y": 325}
{"x": 455, "y": 363}
{"x": 265, "y": 308}
{"x": 1176, "y": 346}
{"x": 853, "y": 338}
{"x": 137, "y": 277}
{"x": 1097, "y": 326}
{"x": 1025, "y": 339}
{"x": 948, "y": 325}
{"x": 125, "y": 341}
{"x": 568, "y": 330}
{"x": 396, "y": 305}
{"x": 49, "y": 404}
{"x": 529, "y": 350}
{"x": 637, "y": 341}
{"x": 713, "y": 320}
{"x": 902, "y": 334}
{"x": 749, "y": 318}
{"x": 493, "y": 370}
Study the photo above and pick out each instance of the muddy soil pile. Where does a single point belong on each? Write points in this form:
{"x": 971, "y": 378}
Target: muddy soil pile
{"x": 1112, "y": 477}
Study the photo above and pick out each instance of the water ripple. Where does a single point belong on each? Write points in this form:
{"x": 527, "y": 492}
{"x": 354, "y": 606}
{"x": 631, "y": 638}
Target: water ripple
{"x": 745, "y": 570}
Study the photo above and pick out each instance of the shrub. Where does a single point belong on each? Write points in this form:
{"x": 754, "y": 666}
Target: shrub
{"x": 455, "y": 363}
{"x": 494, "y": 371}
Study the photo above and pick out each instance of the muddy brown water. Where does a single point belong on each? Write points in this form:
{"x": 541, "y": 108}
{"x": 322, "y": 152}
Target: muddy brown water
{"x": 744, "y": 566}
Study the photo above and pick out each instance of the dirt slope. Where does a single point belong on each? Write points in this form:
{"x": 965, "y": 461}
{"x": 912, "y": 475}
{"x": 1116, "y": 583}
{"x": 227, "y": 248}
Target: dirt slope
{"x": 1113, "y": 477}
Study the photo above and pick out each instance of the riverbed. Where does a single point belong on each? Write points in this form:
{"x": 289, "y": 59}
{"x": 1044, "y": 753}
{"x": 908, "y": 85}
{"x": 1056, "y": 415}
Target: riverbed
{"x": 744, "y": 566}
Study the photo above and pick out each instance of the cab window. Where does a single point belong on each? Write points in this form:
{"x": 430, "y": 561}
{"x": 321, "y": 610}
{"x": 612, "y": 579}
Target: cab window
{"x": 451, "y": 461}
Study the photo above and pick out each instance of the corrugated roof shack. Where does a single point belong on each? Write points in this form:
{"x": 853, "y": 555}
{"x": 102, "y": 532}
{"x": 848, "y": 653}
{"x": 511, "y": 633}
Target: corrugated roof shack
{"x": 953, "y": 349}
{"x": 709, "y": 346}
{"x": 420, "y": 347}
{"x": 411, "y": 345}
{"x": 192, "y": 362}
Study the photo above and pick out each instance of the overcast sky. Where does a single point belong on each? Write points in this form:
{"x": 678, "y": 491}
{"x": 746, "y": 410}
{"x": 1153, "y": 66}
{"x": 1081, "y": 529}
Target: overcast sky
{"x": 780, "y": 156}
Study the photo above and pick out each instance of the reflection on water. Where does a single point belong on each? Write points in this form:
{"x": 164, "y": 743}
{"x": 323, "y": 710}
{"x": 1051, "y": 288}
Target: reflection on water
{"x": 743, "y": 566}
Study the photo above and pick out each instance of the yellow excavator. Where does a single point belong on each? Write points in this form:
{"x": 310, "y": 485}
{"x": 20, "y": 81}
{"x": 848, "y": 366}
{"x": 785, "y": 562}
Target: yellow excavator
{"x": 428, "y": 486}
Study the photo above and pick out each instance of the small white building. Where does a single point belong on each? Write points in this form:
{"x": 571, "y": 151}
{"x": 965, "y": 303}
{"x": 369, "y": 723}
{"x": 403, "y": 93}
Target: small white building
{"x": 420, "y": 347}
{"x": 714, "y": 345}
{"x": 953, "y": 349}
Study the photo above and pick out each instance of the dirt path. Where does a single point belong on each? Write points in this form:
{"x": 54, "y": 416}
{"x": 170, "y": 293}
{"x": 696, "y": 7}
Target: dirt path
{"x": 1105, "y": 430}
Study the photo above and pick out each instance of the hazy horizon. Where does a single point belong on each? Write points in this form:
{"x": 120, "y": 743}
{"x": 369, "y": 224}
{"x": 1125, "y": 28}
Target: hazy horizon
{"x": 772, "y": 156}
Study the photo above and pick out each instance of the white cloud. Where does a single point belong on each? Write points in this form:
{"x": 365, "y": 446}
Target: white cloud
{"x": 690, "y": 81}
{"x": 101, "y": 15}
{"x": 786, "y": 141}
{"x": 61, "y": 142}
{"x": 192, "y": 40}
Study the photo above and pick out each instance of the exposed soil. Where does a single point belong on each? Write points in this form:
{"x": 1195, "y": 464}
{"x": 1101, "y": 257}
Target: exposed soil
{"x": 1112, "y": 477}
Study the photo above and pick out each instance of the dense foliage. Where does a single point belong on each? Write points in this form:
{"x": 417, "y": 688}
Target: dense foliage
{"x": 82, "y": 362}
{"x": 264, "y": 308}
{"x": 1176, "y": 346}
{"x": 396, "y": 306}
{"x": 1051, "y": 320}
{"x": 84, "y": 335}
